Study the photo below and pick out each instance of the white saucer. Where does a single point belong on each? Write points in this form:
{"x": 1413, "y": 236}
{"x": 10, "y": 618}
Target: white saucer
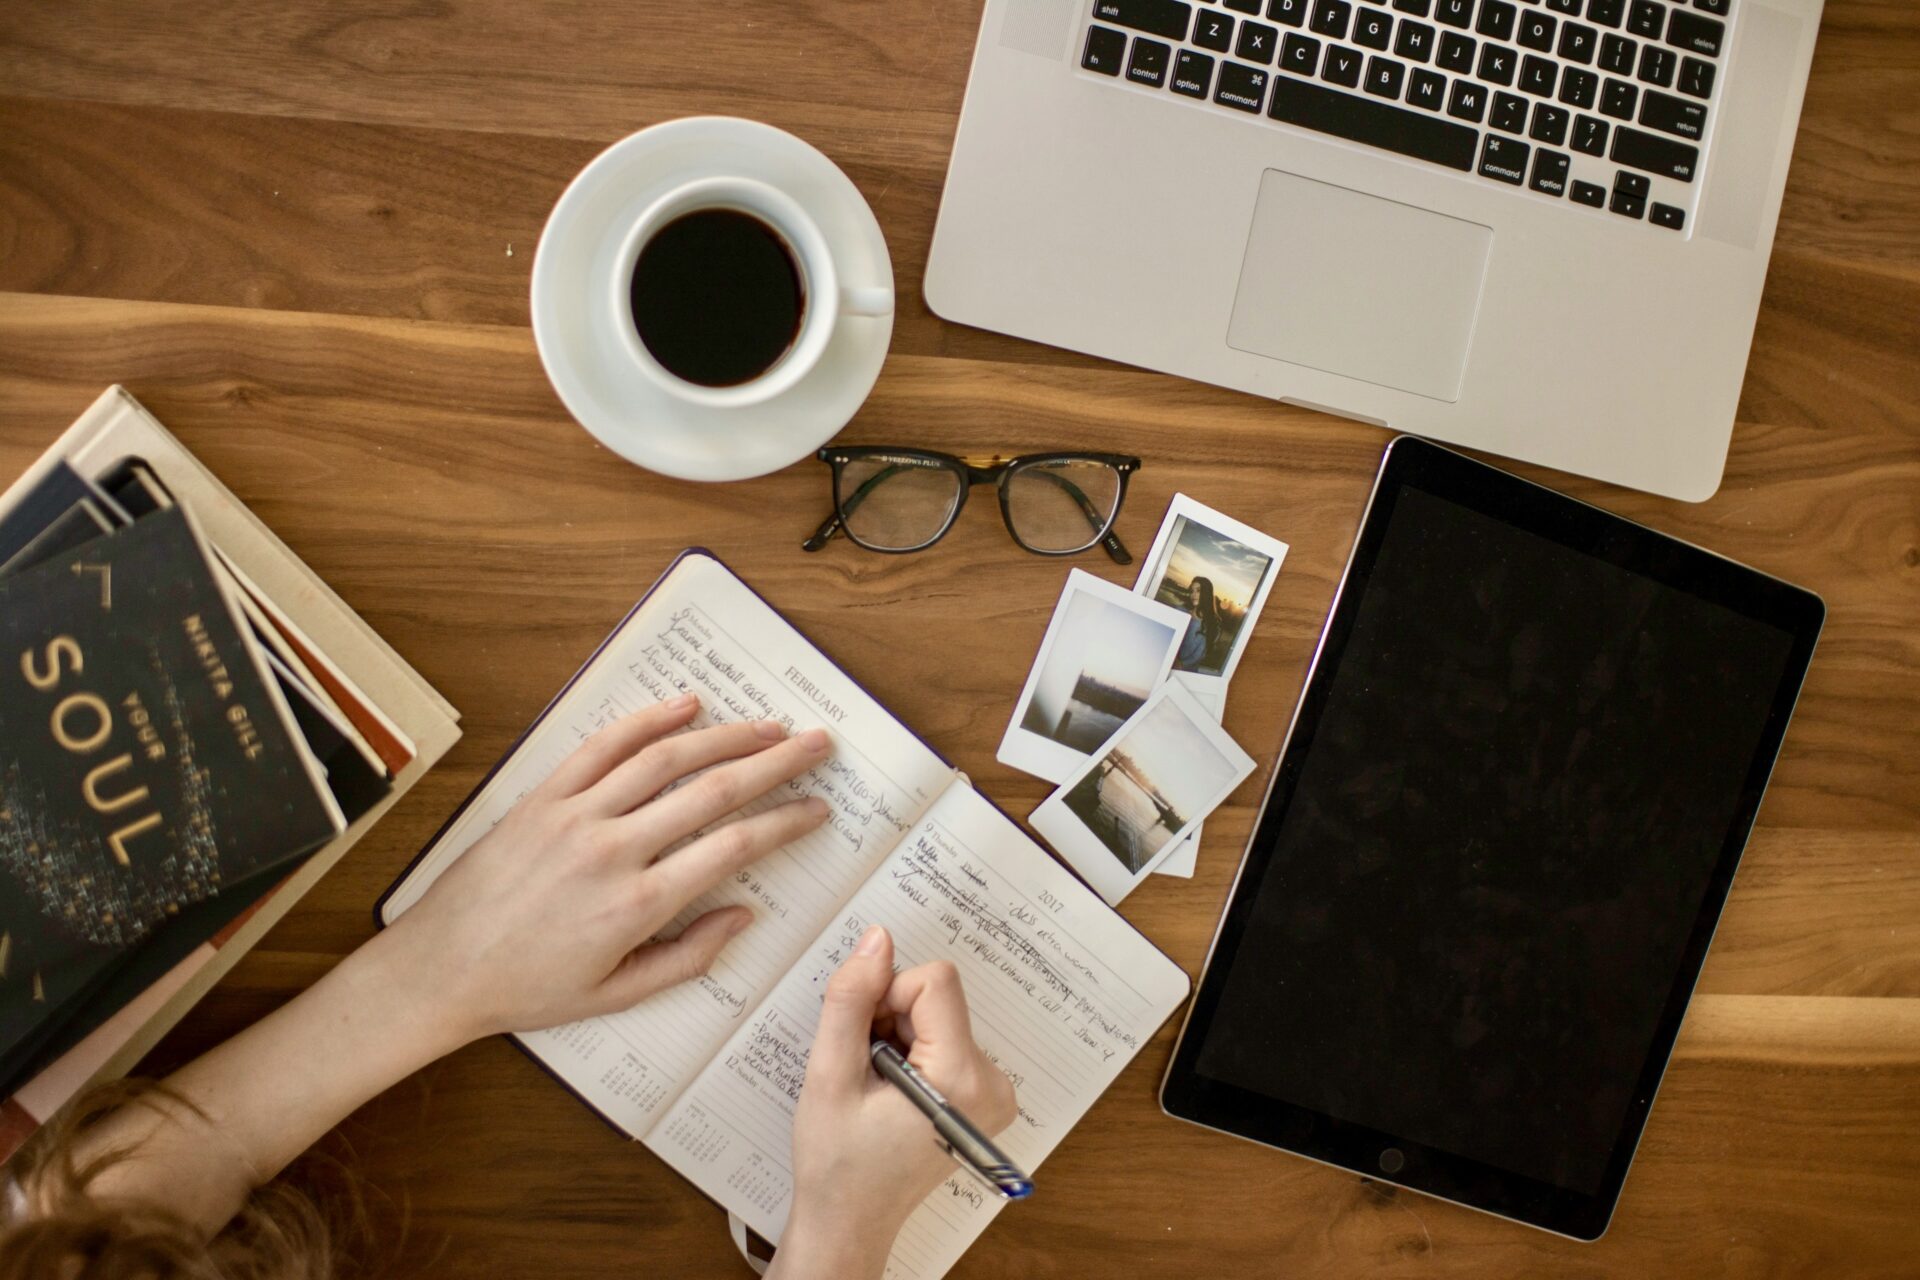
{"x": 593, "y": 373}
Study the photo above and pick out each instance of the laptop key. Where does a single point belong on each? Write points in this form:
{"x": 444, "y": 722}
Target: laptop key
{"x": 1579, "y": 87}
{"x": 1617, "y": 54}
{"x": 1504, "y": 159}
{"x": 1104, "y": 50}
{"x": 1241, "y": 87}
{"x": 1467, "y": 102}
{"x": 1299, "y": 54}
{"x": 1634, "y": 184}
{"x": 1292, "y": 13}
{"x": 1618, "y": 99}
{"x": 1666, "y": 215}
{"x": 1655, "y": 154}
{"x": 1256, "y": 43}
{"x": 1379, "y": 124}
{"x": 1656, "y": 65}
{"x": 1696, "y": 78}
{"x": 1549, "y": 124}
{"x": 1577, "y": 43}
{"x": 1509, "y": 113}
{"x": 1373, "y": 29}
{"x": 1590, "y": 136}
{"x": 1427, "y": 90}
{"x": 1415, "y": 41}
{"x": 1536, "y": 30}
{"x": 1694, "y": 33}
{"x": 1244, "y": 6}
{"x": 1343, "y": 66}
{"x": 1418, "y": 8}
{"x": 1496, "y": 64}
{"x": 1716, "y": 7}
{"x": 1571, "y": 7}
{"x": 1214, "y": 31}
{"x": 1330, "y": 18}
{"x": 1192, "y": 73}
{"x": 1496, "y": 19}
{"x": 1455, "y": 13}
{"x": 1588, "y": 193}
{"x": 1456, "y": 53}
{"x": 1385, "y": 76}
{"x": 1628, "y": 205}
{"x": 1606, "y": 13}
{"x": 1646, "y": 18}
{"x": 1550, "y": 172}
{"x": 1538, "y": 75}
{"x": 1164, "y": 18}
{"x": 1147, "y": 64}
{"x": 1669, "y": 114}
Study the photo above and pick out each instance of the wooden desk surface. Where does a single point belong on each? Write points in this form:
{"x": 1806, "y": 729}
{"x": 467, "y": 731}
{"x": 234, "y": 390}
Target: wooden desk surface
{"x": 301, "y": 234}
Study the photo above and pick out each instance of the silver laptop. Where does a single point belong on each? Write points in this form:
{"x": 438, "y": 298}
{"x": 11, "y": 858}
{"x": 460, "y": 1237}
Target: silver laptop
{"x": 1539, "y": 229}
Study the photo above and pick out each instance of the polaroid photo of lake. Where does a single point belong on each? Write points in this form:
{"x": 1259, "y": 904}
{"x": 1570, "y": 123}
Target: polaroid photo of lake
{"x": 1105, "y": 652}
{"x": 1132, "y": 803}
{"x": 1218, "y": 572}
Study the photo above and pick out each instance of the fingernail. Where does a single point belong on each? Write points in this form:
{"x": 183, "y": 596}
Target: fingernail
{"x": 870, "y": 941}
{"x": 771, "y": 730}
{"x": 740, "y": 924}
{"x": 814, "y": 739}
{"x": 684, "y": 701}
{"x": 817, "y": 808}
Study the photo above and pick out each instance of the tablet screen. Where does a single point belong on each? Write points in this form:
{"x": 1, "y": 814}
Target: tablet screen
{"x": 1488, "y": 852}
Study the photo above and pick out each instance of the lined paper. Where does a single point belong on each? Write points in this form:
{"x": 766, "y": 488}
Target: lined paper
{"x": 703, "y": 631}
{"x": 1062, "y": 993}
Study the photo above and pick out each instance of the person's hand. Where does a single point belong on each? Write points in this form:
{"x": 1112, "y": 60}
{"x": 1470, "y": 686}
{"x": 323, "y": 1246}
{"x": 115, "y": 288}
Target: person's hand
{"x": 863, "y": 1155}
{"x": 547, "y": 919}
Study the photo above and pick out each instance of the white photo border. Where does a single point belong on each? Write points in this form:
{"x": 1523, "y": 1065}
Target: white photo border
{"x": 1153, "y": 568}
{"x": 1083, "y": 851}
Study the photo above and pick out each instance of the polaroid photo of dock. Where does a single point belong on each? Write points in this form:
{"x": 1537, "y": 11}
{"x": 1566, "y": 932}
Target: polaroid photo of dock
{"x": 1105, "y": 652}
{"x": 1218, "y": 572}
{"x": 1134, "y": 802}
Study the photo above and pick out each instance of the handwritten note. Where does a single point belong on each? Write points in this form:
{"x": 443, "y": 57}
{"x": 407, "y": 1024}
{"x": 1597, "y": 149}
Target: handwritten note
{"x": 703, "y": 631}
{"x": 1062, "y": 995}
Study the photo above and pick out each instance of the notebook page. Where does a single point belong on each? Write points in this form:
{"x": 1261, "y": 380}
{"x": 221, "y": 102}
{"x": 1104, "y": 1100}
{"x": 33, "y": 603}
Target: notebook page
{"x": 703, "y": 630}
{"x": 1062, "y": 991}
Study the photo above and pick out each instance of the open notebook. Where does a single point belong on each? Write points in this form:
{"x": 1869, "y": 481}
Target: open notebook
{"x": 1063, "y": 991}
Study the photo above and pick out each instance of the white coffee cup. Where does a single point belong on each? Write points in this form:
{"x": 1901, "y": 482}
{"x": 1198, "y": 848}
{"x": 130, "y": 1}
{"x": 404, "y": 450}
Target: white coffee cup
{"x": 824, "y": 298}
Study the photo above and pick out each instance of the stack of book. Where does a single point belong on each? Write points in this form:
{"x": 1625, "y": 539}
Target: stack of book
{"x": 193, "y": 729}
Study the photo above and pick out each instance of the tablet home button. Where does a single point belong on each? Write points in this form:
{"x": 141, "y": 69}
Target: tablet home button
{"x": 1392, "y": 1160}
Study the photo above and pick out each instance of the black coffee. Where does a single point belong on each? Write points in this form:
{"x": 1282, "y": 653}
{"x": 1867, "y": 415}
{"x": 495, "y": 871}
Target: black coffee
{"x": 716, "y": 297}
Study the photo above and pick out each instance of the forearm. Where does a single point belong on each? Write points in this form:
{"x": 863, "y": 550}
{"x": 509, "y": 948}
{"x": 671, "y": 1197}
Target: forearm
{"x": 267, "y": 1094}
{"x": 814, "y": 1248}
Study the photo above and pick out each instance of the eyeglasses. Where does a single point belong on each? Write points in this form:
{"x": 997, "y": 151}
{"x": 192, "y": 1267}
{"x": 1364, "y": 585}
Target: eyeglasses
{"x": 900, "y": 500}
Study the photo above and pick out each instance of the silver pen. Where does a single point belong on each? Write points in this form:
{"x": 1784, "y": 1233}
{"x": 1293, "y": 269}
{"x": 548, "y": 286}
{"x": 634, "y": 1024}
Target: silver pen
{"x": 961, "y": 1137}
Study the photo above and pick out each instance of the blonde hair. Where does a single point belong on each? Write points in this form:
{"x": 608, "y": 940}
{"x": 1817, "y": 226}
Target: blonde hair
{"x": 289, "y": 1229}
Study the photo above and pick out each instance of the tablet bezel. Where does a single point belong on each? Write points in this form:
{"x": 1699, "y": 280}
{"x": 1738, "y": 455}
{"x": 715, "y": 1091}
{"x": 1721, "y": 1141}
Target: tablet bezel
{"x": 1414, "y": 463}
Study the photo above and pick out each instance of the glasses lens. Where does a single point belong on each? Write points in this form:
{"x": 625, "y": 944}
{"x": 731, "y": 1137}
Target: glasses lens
{"x": 896, "y": 503}
{"x": 1062, "y": 506}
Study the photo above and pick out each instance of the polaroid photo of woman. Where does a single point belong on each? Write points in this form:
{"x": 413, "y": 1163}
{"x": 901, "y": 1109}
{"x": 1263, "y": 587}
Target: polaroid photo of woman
{"x": 1218, "y": 572}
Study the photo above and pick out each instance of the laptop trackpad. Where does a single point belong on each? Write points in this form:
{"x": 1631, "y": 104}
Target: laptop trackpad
{"x": 1353, "y": 284}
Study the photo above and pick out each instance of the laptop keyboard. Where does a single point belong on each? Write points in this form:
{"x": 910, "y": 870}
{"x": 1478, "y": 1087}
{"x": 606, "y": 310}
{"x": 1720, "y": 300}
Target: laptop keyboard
{"x": 1603, "y": 103}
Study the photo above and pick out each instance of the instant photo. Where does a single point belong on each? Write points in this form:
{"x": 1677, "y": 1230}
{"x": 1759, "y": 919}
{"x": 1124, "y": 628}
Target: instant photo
{"x": 1217, "y": 571}
{"x": 1105, "y": 652}
{"x": 1131, "y": 804}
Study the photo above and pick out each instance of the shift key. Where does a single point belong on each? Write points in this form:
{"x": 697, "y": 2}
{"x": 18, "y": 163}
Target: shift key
{"x": 1654, "y": 154}
{"x": 1167, "y": 18}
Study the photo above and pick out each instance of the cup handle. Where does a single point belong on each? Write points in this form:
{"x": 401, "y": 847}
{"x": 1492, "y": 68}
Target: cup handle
{"x": 876, "y": 301}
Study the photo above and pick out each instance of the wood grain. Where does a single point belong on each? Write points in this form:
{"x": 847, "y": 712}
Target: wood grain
{"x": 285, "y": 228}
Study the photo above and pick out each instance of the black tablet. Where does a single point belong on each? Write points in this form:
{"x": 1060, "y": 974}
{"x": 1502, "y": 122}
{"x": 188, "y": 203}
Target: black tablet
{"x": 1525, "y": 761}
